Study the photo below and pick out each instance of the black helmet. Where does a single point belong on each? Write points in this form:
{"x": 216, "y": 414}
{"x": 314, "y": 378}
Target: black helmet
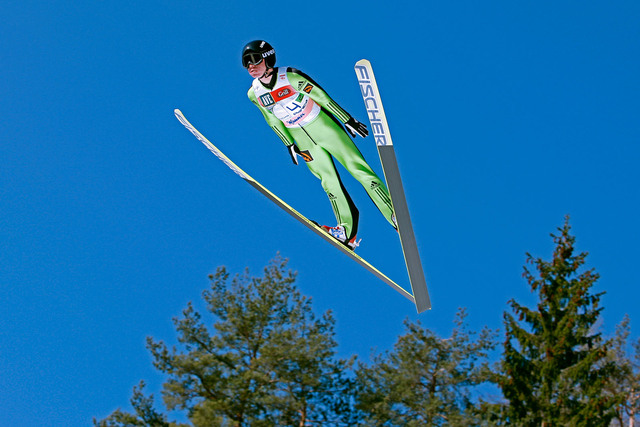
{"x": 254, "y": 52}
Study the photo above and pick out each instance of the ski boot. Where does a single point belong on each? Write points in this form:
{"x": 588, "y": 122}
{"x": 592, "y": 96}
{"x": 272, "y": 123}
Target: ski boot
{"x": 339, "y": 234}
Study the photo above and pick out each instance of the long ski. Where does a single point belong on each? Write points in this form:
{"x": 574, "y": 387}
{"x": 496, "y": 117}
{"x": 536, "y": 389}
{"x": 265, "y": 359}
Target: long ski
{"x": 380, "y": 130}
{"x": 291, "y": 211}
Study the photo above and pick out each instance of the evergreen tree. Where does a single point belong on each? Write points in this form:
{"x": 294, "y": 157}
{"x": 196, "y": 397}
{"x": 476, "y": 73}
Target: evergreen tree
{"x": 555, "y": 365}
{"x": 266, "y": 360}
{"x": 426, "y": 380}
{"x": 625, "y": 384}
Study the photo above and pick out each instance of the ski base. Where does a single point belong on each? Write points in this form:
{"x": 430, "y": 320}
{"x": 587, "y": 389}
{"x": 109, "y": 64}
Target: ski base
{"x": 384, "y": 143}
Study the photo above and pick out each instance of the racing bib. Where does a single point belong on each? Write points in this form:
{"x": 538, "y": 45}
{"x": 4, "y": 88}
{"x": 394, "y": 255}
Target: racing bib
{"x": 293, "y": 108}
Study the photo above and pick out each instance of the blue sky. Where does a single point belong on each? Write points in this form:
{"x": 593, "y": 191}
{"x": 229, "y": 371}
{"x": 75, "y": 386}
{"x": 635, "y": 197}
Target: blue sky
{"x": 506, "y": 116}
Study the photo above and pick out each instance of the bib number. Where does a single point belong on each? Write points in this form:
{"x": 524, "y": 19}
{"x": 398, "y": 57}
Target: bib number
{"x": 294, "y": 107}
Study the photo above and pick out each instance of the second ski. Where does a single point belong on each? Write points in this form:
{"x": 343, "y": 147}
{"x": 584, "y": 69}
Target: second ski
{"x": 380, "y": 131}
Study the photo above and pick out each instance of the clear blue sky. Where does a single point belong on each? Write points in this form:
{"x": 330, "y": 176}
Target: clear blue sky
{"x": 506, "y": 116}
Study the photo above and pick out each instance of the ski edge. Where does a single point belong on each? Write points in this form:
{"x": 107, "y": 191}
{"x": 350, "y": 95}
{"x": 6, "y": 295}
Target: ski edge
{"x": 290, "y": 210}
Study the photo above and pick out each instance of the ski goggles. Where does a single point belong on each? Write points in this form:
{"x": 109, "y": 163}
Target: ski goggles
{"x": 251, "y": 59}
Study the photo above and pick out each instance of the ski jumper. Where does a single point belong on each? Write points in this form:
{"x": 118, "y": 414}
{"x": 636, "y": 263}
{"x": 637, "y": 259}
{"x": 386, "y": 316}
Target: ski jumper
{"x": 300, "y": 112}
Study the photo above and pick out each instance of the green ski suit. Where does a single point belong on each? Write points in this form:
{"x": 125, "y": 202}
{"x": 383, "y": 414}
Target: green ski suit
{"x": 300, "y": 112}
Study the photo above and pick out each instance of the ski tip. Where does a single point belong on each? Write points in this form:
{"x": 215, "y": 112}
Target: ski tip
{"x": 363, "y": 62}
{"x": 179, "y": 115}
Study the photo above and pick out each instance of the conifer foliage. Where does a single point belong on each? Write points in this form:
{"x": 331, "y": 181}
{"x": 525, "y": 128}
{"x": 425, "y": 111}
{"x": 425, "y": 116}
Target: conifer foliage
{"x": 555, "y": 361}
{"x": 426, "y": 379}
{"x": 625, "y": 384}
{"x": 259, "y": 356}
{"x": 266, "y": 360}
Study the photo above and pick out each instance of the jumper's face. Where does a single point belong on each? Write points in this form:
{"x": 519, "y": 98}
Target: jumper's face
{"x": 257, "y": 70}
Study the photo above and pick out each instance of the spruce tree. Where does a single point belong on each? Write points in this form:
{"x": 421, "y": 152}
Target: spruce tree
{"x": 555, "y": 365}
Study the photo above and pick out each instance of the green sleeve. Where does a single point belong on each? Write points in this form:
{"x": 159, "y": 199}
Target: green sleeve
{"x": 305, "y": 84}
{"x": 277, "y": 125}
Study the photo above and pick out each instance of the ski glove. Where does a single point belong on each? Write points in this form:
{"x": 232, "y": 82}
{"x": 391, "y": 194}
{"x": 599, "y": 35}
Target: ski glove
{"x": 294, "y": 152}
{"x": 353, "y": 126}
